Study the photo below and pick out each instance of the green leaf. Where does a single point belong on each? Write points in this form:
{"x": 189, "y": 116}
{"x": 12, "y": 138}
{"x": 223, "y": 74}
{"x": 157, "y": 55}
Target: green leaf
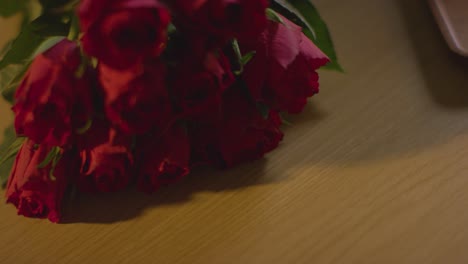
{"x": 285, "y": 121}
{"x": 35, "y": 37}
{"x": 6, "y": 48}
{"x": 236, "y": 48}
{"x": 51, "y": 157}
{"x": 47, "y": 44}
{"x": 52, "y": 4}
{"x": 10, "y": 79}
{"x": 11, "y": 151}
{"x": 55, "y": 161}
{"x": 11, "y": 7}
{"x": 242, "y": 60}
{"x": 273, "y": 16}
{"x": 74, "y": 28}
{"x": 290, "y": 12}
{"x": 311, "y": 15}
{"x": 5, "y": 169}
{"x": 247, "y": 57}
{"x": 48, "y": 25}
{"x": 8, "y": 149}
{"x": 237, "y": 52}
{"x": 85, "y": 128}
{"x": 22, "y": 48}
{"x": 58, "y": 6}
{"x": 12, "y": 74}
{"x": 171, "y": 29}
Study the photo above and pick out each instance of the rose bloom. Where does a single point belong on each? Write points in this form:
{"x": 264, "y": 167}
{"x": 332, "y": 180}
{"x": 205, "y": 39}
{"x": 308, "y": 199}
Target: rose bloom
{"x": 136, "y": 103}
{"x": 106, "y": 159}
{"x": 33, "y": 190}
{"x": 197, "y": 86}
{"x": 123, "y": 33}
{"x": 241, "y": 19}
{"x": 241, "y": 134}
{"x": 162, "y": 159}
{"x": 52, "y": 103}
{"x": 282, "y": 73}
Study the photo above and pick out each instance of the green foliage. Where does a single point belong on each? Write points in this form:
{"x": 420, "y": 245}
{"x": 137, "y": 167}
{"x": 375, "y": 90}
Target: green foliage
{"x": 48, "y": 25}
{"x": 273, "y": 16}
{"x": 291, "y": 13}
{"x": 247, "y": 57}
{"x": 52, "y": 4}
{"x": 85, "y": 128}
{"x": 10, "y": 78}
{"x": 33, "y": 36}
{"x": 18, "y": 57}
{"x": 52, "y": 158}
{"x": 49, "y": 158}
{"x": 12, "y": 74}
{"x": 242, "y": 59}
{"x": 8, "y": 149}
{"x": 304, "y": 14}
{"x": 22, "y": 48}
{"x": 47, "y": 44}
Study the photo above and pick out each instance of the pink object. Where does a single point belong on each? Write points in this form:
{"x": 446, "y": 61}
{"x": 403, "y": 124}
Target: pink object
{"x": 452, "y": 17}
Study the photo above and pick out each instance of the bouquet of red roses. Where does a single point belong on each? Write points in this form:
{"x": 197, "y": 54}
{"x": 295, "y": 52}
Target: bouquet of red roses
{"x": 107, "y": 93}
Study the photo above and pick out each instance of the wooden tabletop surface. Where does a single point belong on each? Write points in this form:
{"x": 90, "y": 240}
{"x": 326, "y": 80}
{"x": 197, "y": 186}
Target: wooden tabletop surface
{"x": 374, "y": 171}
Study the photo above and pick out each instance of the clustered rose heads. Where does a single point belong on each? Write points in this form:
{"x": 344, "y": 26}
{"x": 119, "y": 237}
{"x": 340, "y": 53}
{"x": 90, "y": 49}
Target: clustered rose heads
{"x": 152, "y": 89}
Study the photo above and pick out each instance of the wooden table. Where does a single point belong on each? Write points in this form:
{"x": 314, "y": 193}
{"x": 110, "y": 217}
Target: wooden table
{"x": 374, "y": 171}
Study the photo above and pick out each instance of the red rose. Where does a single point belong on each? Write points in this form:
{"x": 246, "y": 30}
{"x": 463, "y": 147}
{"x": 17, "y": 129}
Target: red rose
{"x": 106, "y": 159}
{"x": 122, "y": 33}
{"x": 226, "y": 18}
{"x": 32, "y": 189}
{"x": 52, "y": 102}
{"x": 163, "y": 160}
{"x": 283, "y": 71}
{"x": 242, "y": 134}
{"x": 136, "y": 103}
{"x": 198, "y": 86}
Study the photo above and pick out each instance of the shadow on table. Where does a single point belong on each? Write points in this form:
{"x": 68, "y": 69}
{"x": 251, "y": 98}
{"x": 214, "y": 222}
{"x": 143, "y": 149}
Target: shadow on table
{"x": 310, "y": 116}
{"x": 128, "y": 204}
{"x": 445, "y": 72}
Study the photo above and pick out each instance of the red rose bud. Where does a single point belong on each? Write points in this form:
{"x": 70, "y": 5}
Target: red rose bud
{"x": 136, "y": 103}
{"x": 52, "y": 101}
{"x": 283, "y": 71}
{"x": 106, "y": 159}
{"x": 198, "y": 86}
{"x": 37, "y": 192}
{"x": 243, "y": 134}
{"x": 163, "y": 160}
{"x": 218, "y": 65}
{"x": 226, "y": 18}
{"x": 122, "y": 33}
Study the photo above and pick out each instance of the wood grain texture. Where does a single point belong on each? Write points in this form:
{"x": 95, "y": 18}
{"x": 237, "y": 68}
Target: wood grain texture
{"x": 374, "y": 171}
